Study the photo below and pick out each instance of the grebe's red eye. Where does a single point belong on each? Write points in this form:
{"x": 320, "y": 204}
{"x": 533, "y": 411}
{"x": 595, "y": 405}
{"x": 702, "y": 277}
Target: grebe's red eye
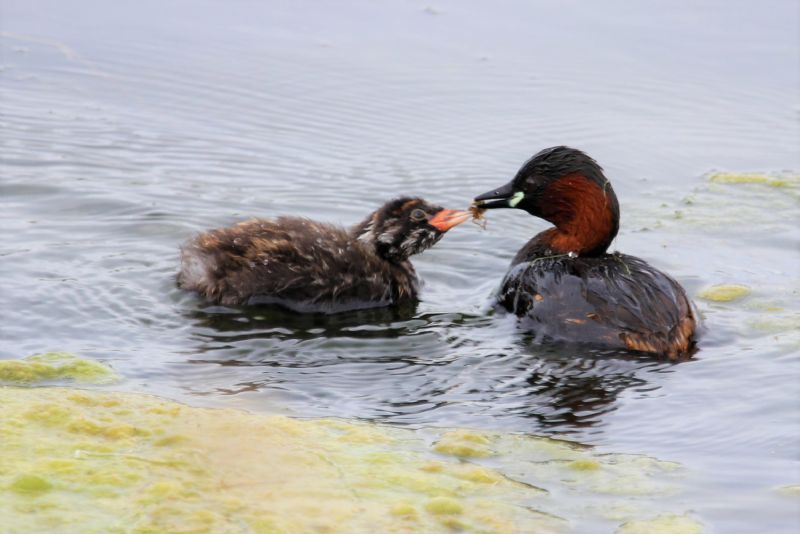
{"x": 418, "y": 215}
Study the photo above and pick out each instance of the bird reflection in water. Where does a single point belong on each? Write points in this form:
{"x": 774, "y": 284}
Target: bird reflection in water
{"x": 395, "y": 365}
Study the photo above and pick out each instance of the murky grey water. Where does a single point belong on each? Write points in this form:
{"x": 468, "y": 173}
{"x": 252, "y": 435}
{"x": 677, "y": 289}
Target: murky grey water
{"x": 127, "y": 128}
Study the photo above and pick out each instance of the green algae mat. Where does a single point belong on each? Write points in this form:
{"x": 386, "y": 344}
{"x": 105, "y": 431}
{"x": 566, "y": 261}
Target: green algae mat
{"x": 55, "y": 366}
{"x": 91, "y": 461}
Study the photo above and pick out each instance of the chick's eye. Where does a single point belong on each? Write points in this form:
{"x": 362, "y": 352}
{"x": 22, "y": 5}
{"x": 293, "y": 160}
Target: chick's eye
{"x": 418, "y": 215}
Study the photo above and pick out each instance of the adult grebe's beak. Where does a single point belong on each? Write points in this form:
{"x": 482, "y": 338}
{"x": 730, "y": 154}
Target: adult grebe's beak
{"x": 502, "y": 197}
{"x": 446, "y": 219}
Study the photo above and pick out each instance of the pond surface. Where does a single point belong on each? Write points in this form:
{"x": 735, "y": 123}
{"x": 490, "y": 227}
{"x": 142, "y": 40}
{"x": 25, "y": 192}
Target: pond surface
{"x": 127, "y": 128}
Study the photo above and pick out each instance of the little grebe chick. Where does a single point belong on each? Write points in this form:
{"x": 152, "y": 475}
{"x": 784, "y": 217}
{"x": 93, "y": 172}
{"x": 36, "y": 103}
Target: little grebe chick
{"x": 308, "y": 266}
{"x": 563, "y": 283}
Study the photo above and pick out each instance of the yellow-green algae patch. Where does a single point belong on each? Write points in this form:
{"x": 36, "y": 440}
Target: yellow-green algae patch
{"x": 52, "y": 366}
{"x": 89, "y": 461}
{"x": 464, "y": 443}
{"x": 792, "y": 490}
{"x": 785, "y": 323}
{"x": 30, "y": 484}
{"x": 663, "y": 524}
{"x": 584, "y": 464}
{"x": 744, "y": 205}
{"x": 724, "y": 292}
{"x": 444, "y": 505}
{"x": 779, "y": 180}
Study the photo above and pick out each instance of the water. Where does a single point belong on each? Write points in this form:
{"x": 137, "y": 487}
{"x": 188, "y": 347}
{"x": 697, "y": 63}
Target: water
{"x": 125, "y": 129}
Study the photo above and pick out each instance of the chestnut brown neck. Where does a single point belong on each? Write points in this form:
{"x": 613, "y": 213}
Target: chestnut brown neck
{"x": 584, "y": 212}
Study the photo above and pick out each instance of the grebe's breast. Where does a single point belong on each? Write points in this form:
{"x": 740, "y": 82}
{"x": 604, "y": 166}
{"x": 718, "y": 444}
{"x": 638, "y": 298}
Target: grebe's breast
{"x": 613, "y": 300}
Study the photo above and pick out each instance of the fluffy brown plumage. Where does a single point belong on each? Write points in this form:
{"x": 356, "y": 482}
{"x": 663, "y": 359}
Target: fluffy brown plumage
{"x": 309, "y": 266}
{"x": 564, "y": 285}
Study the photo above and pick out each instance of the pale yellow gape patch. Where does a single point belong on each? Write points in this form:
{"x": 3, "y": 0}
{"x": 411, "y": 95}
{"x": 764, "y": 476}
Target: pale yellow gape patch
{"x": 516, "y": 199}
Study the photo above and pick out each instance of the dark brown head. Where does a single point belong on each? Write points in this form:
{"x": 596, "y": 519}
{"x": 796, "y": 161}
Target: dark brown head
{"x": 406, "y": 226}
{"x": 566, "y": 187}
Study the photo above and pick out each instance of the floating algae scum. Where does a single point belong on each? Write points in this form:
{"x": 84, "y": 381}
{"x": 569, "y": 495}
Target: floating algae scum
{"x": 96, "y": 461}
{"x": 733, "y": 204}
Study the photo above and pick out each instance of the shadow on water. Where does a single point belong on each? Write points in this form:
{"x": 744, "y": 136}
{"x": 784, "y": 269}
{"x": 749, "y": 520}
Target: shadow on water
{"x": 504, "y": 376}
{"x": 226, "y": 323}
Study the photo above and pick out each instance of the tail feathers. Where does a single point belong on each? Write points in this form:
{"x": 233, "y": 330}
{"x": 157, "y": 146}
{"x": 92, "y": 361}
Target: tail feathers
{"x": 678, "y": 344}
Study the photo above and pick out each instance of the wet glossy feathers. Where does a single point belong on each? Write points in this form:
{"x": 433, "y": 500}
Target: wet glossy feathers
{"x": 298, "y": 263}
{"x": 615, "y": 300}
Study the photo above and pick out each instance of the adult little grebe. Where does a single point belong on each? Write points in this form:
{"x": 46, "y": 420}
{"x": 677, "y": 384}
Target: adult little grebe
{"x": 564, "y": 284}
{"x": 308, "y": 266}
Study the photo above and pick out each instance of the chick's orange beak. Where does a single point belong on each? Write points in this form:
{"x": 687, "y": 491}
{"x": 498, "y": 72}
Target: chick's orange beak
{"x": 446, "y": 219}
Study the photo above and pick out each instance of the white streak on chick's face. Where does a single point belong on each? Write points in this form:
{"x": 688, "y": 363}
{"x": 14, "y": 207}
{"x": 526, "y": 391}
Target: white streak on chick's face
{"x": 420, "y": 239}
{"x": 411, "y": 243}
{"x": 366, "y": 235}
